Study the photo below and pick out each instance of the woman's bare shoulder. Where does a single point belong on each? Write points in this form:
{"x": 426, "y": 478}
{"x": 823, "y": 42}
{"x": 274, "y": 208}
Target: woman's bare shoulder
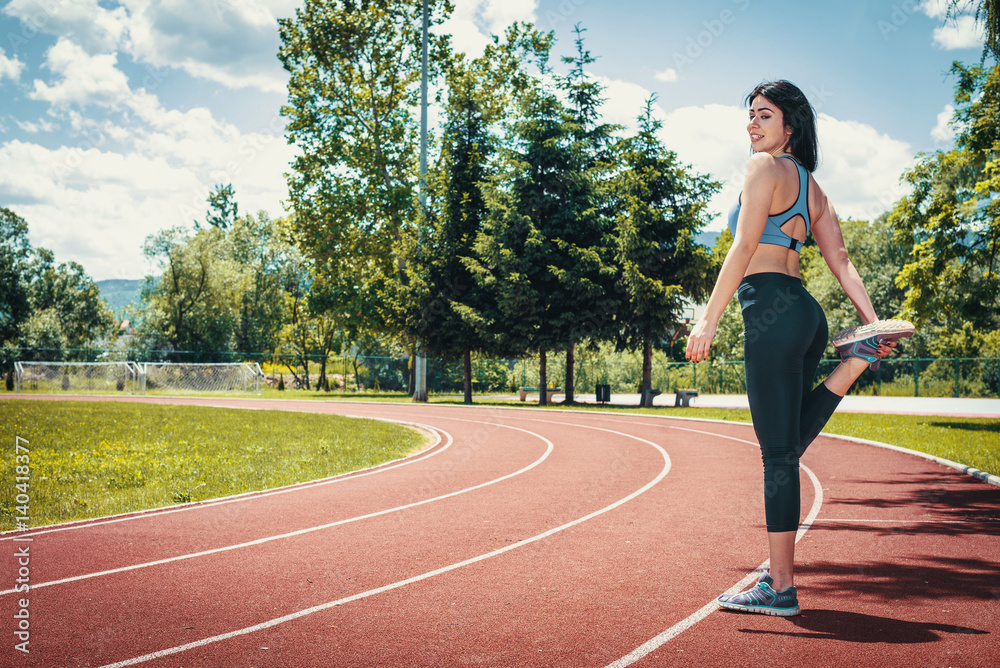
{"x": 819, "y": 203}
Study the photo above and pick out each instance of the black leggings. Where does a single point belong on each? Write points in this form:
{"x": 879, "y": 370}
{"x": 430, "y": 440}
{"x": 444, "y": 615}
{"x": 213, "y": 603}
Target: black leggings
{"x": 785, "y": 336}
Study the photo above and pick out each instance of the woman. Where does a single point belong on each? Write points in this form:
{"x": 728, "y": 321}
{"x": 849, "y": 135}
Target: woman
{"x": 785, "y": 328}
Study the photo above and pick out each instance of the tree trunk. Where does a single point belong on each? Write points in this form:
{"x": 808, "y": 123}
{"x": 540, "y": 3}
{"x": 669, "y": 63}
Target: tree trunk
{"x": 570, "y": 372}
{"x": 467, "y": 373}
{"x": 413, "y": 368}
{"x": 647, "y": 371}
{"x": 321, "y": 384}
{"x": 543, "y": 395}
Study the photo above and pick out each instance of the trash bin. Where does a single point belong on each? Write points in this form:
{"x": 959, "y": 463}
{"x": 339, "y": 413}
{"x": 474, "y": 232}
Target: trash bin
{"x": 603, "y": 393}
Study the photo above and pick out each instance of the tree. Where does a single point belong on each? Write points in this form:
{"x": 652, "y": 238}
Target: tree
{"x": 261, "y": 248}
{"x": 540, "y": 250}
{"x": 988, "y": 15}
{"x": 194, "y": 305}
{"x": 45, "y": 309}
{"x": 222, "y": 208}
{"x": 878, "y": 258}
{"x": 662, "y": 206}
{"x": 352, "y": 93}
{"x": 591, "y": 268}
{"x": 448, "y": 312}
{"x": 71, "y": 296}
{"x": 951, "y": 221}
{"x": 15, "y": 250}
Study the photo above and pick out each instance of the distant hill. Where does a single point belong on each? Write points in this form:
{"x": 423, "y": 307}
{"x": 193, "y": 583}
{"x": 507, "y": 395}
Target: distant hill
{"x": 119, "y": 293}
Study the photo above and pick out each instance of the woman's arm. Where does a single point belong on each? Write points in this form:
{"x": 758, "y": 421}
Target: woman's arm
{"x": 758, "y": 191}
{"x": 826, "y": 231}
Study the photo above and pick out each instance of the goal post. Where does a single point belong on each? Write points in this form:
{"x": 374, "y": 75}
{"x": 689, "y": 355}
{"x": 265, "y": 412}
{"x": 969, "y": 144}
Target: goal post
{"x": 76, "y": 377}
{"x": 237, "y": 377}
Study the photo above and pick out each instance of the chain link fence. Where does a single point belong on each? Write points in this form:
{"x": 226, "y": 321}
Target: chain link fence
{"x": 924, "y": 377}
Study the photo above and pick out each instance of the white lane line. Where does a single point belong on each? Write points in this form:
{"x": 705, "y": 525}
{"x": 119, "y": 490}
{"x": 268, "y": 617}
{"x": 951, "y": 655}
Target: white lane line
{"x": 710, "y": 607}
{"x": 246, "y": 496}
{"x": 417, "y": 578}
{"x": 300, "y": 532}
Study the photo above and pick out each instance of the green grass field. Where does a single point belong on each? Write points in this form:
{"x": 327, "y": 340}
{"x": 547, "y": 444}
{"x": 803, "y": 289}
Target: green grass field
{"x": 90, "y": 459}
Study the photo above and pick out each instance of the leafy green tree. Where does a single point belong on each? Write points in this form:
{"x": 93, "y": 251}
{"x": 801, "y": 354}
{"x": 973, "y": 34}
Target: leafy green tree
{"x": 878, "y": 258}
{"x": 951, "y": 221}
{"x": 15, "y": 251}
{"x": 194, "y": 305}
{"x": 662, "y": 207}
{"x": 261, "y": 248}
{"x": 67, "y": 292}
{"x": 591, "y": 269}
{"x": 45, "y": 309}
{"x": 352, "y": 96}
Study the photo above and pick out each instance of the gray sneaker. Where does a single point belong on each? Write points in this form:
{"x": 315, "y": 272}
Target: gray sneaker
{"x": 762, "y": 599}
{"x": 863, "y": 341}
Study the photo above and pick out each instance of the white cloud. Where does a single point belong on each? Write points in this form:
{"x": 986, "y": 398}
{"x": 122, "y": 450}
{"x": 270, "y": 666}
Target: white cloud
{"x": 859, "y": 166}
{"x": 473, "y": 21}
{"x": 943, "y": 133}
{"x": 141, "y": 169}
{"x": 84, "y": 79}
{"x": 232, "y": 43}
{"x": 85, "y": 22}
{"x": 668, "y": 75}
{"x": 938, "y": 9}
{"x": 41, "y": 126}
{"x": 98, "y": 206}
{"x": 959, "y": 29}
{"x": 10, "y": 67}
{"x": 501, "y": 13}
{"x": 961, "y": 33}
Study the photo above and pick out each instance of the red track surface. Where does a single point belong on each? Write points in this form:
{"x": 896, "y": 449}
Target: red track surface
{"x": 529, "y": 538}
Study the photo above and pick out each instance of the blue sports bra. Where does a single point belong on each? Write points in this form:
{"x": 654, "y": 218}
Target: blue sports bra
{"x": 773, "y": 234}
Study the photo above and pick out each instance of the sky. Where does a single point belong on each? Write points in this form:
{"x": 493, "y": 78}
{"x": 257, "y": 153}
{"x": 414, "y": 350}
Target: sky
{"x": 118, "y": 118}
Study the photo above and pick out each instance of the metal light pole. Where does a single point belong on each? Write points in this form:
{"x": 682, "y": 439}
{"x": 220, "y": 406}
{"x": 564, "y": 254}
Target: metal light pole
{"x": 420, "y": 362}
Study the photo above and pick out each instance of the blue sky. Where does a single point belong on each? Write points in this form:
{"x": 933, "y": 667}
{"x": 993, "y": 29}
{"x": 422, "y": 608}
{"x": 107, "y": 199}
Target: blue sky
{"x": 119, "y": 117}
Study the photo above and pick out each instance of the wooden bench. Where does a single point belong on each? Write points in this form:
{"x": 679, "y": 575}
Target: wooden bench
{"x": 683, "y": 397}
{"x": 525, "y": 391}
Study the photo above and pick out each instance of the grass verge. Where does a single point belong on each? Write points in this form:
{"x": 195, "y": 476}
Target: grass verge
{"x": 92, "y": 459}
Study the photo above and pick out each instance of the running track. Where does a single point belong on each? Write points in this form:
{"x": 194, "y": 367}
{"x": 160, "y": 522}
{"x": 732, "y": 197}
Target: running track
{"x": 528, "y": 538}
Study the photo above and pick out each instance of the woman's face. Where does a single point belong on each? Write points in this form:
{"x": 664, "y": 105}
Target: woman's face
{"x": 768, "y": 132}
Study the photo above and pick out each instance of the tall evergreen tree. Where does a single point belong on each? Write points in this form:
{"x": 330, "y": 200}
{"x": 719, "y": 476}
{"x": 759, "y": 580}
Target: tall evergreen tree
{"x": 592, "y": 163}
{"x": 541, "y": 247}
{"x": 450, "y": 314}
{"x": 662, "y": 206}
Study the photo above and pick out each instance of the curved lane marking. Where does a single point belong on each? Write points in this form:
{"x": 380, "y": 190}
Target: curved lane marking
{"x": 402, "y": 583}
{"x": 245, "y": 496}
{"x": 710, "y": 607}
{"x": 299, "y": 532}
